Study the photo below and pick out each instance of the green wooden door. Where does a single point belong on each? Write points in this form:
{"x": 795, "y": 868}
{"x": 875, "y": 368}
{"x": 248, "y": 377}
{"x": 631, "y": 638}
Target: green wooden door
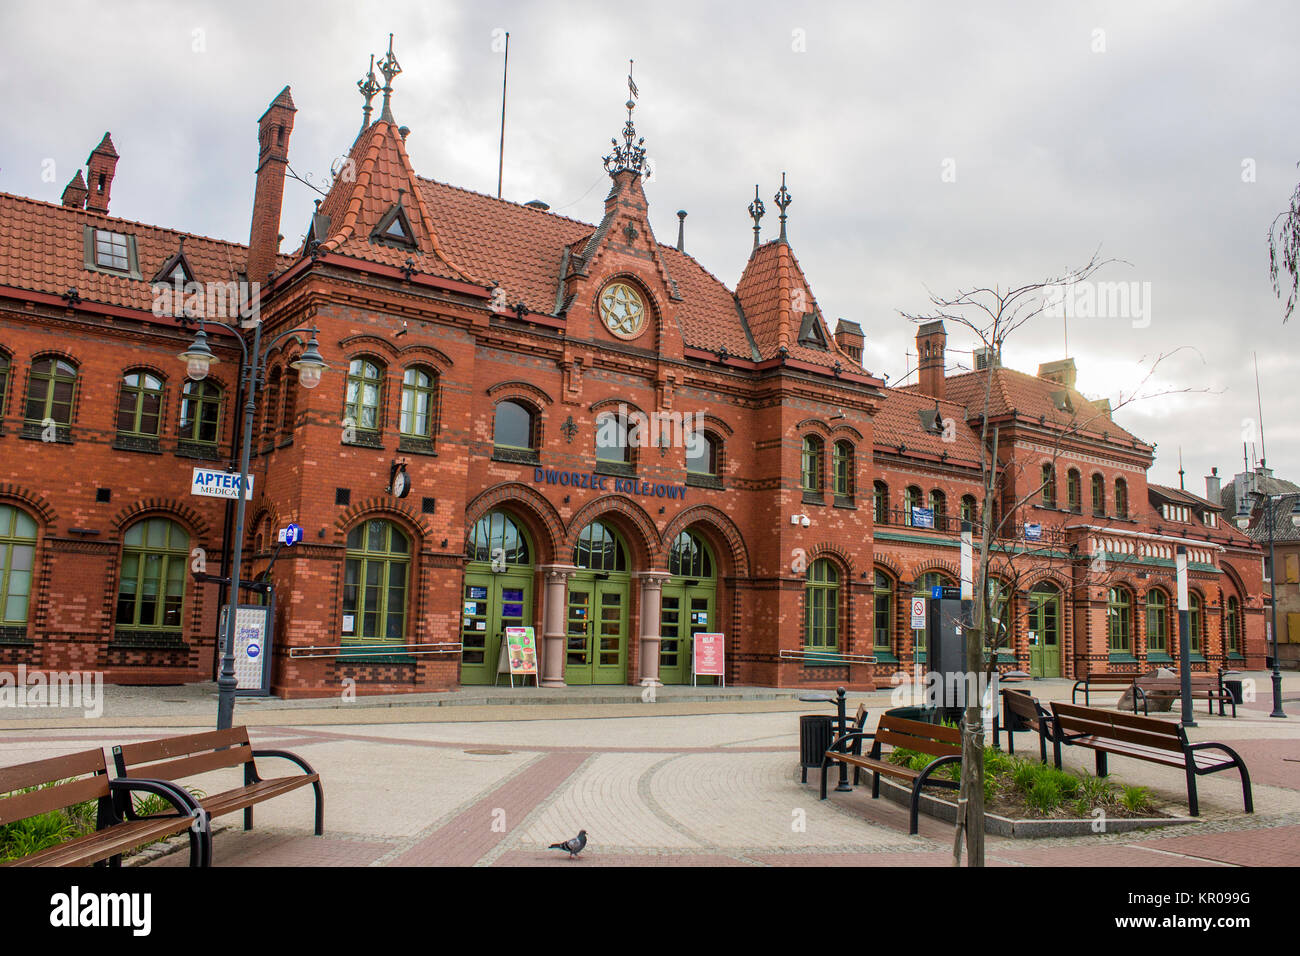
{"x": 1044, "y": 634}
{"x": 490, "y": 604}
{"x": 687, "y": 610}
{"x": 597, "y": 632}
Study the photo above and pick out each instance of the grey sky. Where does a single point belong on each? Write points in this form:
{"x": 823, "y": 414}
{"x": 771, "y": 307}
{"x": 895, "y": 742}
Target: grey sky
{"x": 1056, "y": 147}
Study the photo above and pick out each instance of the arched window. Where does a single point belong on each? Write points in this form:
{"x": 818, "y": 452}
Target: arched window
{"x": 689, "y": 558}
{"x": 139, "y": 405}
{"x": 1157, "y": 612}
{"x": 200, "y": 420}
{"x": 4, "y": 381}
{"x": 155, "y": 562}
{"x": 417, "y": 403}
{"x": 1195, "y": 621}
{"x": 1049, "y": 486}
{"x": 969, "y": 509}
{"x": 375, "y": 576}
{"x": 1074, "y": 484}
{"x": 264, "y": 437}
{"x": 613, "y": 442}
{"x": 599, "y": 549}
{"x": 513, "y": 427}
{"x": 703, "y": 454}
{"x": 939, "y": 505}
{"x": 497, "y": 534}
{"x": 911, "y": 499}
{"x": 1098, "y": 495}
{"x": 812, "y": 464}
{"x": 880, "y": 502}
{"x": 842, "y": 471}
{"x": 1121, "y": 498}
{"x": 17, "y": 558}
{"x": 1232, "y": 626}
{"x": 1119, "y": 621}
{"x": 50, "y": 391}
{"x": 821, "y": 630}
{"x": 289, "y": 419}
{"x": 364, "y": 394}
{"x": 883, "y": 625}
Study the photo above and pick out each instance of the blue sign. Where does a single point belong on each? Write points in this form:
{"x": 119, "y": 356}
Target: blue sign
{"x": 936, "y": 592}
{"x": 291, "y": 535}
{"x": 1033, "y": 532}
{"x": 922, "y": 518}
{"x": 252, "y": 650}
{"x": 210, "y": 483}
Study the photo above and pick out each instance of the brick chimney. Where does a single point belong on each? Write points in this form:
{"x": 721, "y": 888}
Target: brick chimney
{"x": 100, "y": 167}
{"x": 931, "y": 340}
{"x": 848, "y": 336}
{"x": 74, "y": 194}
{"x": 1213, "y": 490}
{"x": 273, "y": 131}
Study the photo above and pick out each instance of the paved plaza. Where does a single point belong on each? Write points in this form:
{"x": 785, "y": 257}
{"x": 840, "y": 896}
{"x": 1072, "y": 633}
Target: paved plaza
{"x": 489, "y": 781}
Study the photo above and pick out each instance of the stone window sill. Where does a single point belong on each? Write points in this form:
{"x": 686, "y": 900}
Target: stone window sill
{"x": 142, "y": 443}
{"x": 515, "y": 456}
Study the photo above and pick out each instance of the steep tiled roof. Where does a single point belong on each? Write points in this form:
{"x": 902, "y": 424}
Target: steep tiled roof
{"x": 1183, "y": 496}
{"x": 42, "y": 249}
{"x": 1030, "y": 397}
{"x": 899, "y": 422}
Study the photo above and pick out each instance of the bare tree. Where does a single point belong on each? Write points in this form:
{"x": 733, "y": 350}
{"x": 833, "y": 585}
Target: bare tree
{"x": 993, "y": 315}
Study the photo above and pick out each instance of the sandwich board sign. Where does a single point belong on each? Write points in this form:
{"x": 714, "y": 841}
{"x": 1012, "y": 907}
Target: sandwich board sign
{"x": 252, "y": 649}
{"x": 518, "y": 654}
{"x": 708, "y": 657}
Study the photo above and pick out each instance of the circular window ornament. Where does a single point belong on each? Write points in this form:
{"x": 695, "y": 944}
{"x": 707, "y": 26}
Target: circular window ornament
{"x": 622, "y": 310}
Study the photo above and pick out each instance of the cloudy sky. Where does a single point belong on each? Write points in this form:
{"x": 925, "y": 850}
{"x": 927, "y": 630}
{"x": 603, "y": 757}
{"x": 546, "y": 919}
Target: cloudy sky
{"x": 928, "y": 146}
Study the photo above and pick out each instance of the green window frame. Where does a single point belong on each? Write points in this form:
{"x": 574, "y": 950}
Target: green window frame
{"x": 17, "y": 564}
{"x": 911, "y": 499}
{"x": 811, "y": 464}
{"x": 1049, "y": 486}
{"x": 702, "y": 455}
{"x": 1231, "y": 625}
{"x": 939, "y": 505}
{"x": 151, "y": 588}
{"x": 599, "y": 548}
{"x": 880, "y": 502}
{"x": 419, "y": 389}
{"x": 1119, "y": 621}
{"x": 882, "y": 631}
{"x": 1157, "y": 614}
{"x": 51, "y": 390}
{"x": 1074, "y": 491}
{"x": 822, "y": 607}
{"x": 1195, "y": 620}
{"x": 139, "y": 405}
{"x": 498, "y": 534}
{"x": 1098, "y": 495}
{"x": 5, "y": 366}
{"x": 842, "y": 476}
{"x": 376, "y": 579}
{"x": 514, "y": 420}
{"x": 968, "y": 509}
{"x": 200, "y": 420}
{"x": 365, "y": 393}
{"x": 1121, "y": 498}
{"x": 689, "y": 557}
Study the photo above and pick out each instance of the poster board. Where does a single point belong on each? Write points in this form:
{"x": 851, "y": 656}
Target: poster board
{"x": 708, "y": 657}
{"x": 252, "y": 649}
{"x": 518, "y": 654}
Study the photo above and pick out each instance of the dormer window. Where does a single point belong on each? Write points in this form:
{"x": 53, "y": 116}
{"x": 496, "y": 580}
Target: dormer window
{"x": 395, "y": 227}
{"x": 113, "y": 252}
{"x": 810, "y": 331}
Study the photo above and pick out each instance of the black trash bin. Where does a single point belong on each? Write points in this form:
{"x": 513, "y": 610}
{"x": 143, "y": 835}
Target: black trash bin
{"x": 1232, "y": 684}
{"x": 816, "y": 734}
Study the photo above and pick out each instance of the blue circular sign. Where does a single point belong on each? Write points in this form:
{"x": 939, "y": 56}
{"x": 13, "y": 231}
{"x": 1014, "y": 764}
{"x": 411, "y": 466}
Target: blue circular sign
{"x": 253, "y": 650}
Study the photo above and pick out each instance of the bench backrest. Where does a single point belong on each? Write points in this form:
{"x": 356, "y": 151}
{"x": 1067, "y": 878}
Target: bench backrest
{"x": 1116, "y": 677}
{"x": 934, "y": 739}
{"x": 860, "y": 716}
{"x": 174, "y": 758}
{"x": 1199, "y": 682}
{"x": 1020, "y": 703}
{"x": 82, "y": 776}
{"x": 1115, "y": 725}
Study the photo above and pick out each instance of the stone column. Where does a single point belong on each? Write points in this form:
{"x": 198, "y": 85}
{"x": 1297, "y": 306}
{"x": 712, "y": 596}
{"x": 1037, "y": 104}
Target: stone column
{"x": 652, "y": 585}
{"x": 555, "y": 601}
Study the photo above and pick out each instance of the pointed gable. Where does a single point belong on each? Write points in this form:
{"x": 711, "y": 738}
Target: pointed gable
{"x": 778, "y": 305}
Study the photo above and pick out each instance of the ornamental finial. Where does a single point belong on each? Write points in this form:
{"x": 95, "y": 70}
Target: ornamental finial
{"x": 630, "y": 154}
{"x": 756, "y": 210}
{"x": 368, "y": 87}
{"x": 390, "y": 68}
{"x": 782, "y": 200}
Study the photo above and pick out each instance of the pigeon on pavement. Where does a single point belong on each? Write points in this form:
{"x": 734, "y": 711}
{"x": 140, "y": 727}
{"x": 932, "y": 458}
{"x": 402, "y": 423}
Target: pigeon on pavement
{"x": 573, "y": 847}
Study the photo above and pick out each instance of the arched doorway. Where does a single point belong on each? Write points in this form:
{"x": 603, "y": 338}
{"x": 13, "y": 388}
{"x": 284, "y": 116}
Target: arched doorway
{"x": 597, "y": 612}
{"x": 497, "y": 592}
{"x": 1045, "y": 631}
{"x": 688, "y": 606}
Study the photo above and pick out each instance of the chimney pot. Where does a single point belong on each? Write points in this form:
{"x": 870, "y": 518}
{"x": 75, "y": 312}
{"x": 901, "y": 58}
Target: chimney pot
{"x": 273, "y": 131}
{"x": 931, "y": 341}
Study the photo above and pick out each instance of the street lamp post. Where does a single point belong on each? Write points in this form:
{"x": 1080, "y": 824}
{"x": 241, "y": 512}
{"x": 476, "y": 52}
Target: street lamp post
{"x": 199, "y": 359}
{"x": 1266, "y": 501}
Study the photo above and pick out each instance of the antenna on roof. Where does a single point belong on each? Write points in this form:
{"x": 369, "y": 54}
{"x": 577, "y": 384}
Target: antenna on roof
{"x": 1181, "y": 486}
{"x": 1263, "y": 448}
{"x": 501, "y": 155}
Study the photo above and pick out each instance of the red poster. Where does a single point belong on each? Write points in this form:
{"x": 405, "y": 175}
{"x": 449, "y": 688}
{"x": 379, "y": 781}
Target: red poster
{"x": 709, "y": 655}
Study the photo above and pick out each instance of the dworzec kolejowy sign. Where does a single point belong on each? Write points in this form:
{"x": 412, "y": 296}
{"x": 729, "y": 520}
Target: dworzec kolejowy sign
{"x": 210, "y": 483}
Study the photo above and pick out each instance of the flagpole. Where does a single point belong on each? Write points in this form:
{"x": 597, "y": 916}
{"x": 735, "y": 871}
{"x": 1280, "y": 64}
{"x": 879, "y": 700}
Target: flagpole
{"x": 501, "y": 155}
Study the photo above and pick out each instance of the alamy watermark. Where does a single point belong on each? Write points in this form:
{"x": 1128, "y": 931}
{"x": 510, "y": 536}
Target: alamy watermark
{"x": 1099, "y": 300}
{"x": 635, "y": 429}
{"x": 65, "y": 689}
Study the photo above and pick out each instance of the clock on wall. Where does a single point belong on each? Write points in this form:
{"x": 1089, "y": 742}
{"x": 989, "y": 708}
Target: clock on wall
{"x": 622, "y": 310}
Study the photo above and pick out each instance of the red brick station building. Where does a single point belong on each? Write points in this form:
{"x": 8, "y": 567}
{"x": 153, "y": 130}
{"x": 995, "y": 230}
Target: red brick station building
{"x": 477, "y": 347}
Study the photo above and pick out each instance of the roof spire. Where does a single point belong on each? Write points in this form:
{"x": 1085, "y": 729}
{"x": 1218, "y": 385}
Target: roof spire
{"x": 368, "y": 87}
{"x": 756, "y": 210}
{"x": 389, "y": 67}
{"x": 782, "y": 200}
{"x": 631, "y": 154}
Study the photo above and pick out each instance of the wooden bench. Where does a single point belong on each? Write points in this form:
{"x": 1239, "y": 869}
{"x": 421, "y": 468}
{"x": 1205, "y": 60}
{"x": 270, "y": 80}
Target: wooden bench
{"x": 1206, "y": 687}
{"x": 1119, "y": 680}
{"x": 77, "y": 778}
{"x": 1144, "y": 738}
{"x": 176, "y": 758}
{"x": 943, "y": 743}
{"x": 1019, "y": 705}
